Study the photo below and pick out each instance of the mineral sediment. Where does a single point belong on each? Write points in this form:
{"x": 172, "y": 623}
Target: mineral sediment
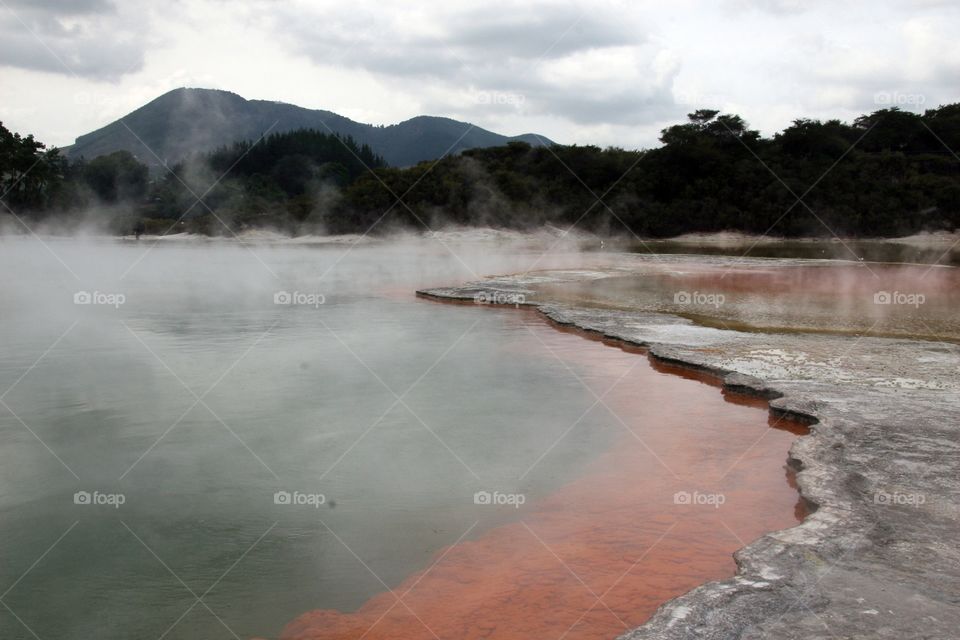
{"x": 878, "y": 556}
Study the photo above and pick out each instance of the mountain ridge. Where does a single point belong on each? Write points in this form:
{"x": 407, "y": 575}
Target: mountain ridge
{"x": 194, "y": 120}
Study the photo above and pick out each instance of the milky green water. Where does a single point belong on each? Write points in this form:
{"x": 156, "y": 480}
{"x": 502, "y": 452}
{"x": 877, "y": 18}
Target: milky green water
{"x": 198, "y": 399}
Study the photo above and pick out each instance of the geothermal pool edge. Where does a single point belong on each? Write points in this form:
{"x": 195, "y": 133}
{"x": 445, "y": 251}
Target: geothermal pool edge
{"x": 874, "y": 557}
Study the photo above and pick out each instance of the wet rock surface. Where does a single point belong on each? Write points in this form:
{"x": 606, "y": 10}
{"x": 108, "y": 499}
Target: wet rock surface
{"x": 878, "y": 556}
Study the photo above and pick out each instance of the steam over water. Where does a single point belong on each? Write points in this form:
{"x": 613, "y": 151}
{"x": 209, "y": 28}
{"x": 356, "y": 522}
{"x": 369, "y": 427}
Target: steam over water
{"x": 905, "y": 301}
{"x": 203, "y": 440}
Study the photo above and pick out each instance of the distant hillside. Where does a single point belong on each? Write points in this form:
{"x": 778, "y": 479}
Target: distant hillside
{"x": 184, "y": 121}
{"x": 888, "y": 173}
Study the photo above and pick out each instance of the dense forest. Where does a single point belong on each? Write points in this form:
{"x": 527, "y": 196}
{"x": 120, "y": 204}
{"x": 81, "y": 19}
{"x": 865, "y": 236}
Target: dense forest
{"x": 888, "y": 173}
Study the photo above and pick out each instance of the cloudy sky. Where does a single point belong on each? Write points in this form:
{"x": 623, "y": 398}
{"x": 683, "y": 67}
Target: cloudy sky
{"x": 608, "y": 73}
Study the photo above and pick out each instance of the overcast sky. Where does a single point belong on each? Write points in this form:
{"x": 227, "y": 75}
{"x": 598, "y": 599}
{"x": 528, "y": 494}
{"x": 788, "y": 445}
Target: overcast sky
{"x": 607, "y": 73}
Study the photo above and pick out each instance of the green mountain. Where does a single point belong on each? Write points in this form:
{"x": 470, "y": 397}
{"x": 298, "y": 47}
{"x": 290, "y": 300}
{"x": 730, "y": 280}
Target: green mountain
{"x": 185, "y": 121}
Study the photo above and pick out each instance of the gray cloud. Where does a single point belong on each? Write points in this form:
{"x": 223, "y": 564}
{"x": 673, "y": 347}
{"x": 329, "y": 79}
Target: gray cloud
{"x": 87, "y": 38}
{"x": 603, "y": 71}
{"x": 775, "y": 7}
{"x": 541, "y": 32}
{"x": 377, "y": 40}
{"x": 533, "y": 57}
{"x": 62, "y": 7}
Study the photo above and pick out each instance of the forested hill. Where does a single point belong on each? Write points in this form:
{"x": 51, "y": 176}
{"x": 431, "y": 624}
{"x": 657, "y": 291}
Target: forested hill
{"x": 184, "y": 122}
{"x": 887, "y": 173}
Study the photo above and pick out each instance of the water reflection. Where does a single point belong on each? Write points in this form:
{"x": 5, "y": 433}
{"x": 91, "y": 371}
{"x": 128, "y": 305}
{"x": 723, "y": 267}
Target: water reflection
{"x": 659, "y": 513}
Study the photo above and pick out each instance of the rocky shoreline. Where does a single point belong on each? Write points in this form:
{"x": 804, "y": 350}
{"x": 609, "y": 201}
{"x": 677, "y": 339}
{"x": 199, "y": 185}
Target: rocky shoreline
{"x": 878, "y": 555}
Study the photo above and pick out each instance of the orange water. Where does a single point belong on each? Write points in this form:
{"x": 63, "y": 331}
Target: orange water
{"x": 891, "y": 300}
{"x": 599, "y": 555}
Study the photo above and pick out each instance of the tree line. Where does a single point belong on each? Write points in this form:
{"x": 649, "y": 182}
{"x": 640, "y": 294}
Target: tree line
{"x": 887, "y": 173}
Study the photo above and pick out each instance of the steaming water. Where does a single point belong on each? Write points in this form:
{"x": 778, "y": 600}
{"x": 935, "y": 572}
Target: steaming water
{"x": 198, "y": 398}
{"x": 849, "y": 250}
{"x": 155, "y": 438}
{"x": 909, "y": 301}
